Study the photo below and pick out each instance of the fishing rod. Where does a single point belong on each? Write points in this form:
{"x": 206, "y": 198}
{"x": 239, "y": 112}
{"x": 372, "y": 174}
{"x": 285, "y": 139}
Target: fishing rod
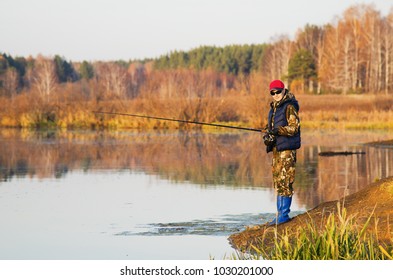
{"x": 177, "y": 120}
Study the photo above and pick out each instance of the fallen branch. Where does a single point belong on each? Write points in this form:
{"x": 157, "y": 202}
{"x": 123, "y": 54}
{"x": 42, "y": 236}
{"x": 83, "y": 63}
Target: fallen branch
{"x": 346, "y": 153}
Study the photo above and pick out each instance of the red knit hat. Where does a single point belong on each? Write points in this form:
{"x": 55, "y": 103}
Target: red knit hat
{"x": 276, "y": 84}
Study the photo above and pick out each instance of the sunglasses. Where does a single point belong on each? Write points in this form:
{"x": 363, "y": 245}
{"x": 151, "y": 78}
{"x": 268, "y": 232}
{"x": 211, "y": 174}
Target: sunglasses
{"x": 276, "y": 91}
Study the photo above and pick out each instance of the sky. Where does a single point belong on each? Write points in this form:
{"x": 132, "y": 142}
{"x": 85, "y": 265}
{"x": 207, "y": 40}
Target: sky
{"x": 136, "y": 29}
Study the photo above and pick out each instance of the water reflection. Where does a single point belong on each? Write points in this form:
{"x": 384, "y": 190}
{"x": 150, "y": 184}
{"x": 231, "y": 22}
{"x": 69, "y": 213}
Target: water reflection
{"x": 122, "y": 195}
{"x": 334, "y": 177}
{"x": 229, "y": 160}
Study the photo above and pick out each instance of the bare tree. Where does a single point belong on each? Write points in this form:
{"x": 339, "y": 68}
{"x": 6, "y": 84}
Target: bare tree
{"x": 275, "y": 64}
{"x": 372, "y": 33}
{"x": 387, "y": 38}
{"x": 113, "y": 78}
{"x": 44, "y": 80}
{"x": 353, "y": 21}
{"x": 346, "y": 61}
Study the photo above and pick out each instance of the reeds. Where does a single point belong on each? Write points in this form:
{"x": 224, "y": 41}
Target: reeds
{"x": 29, "y": 110}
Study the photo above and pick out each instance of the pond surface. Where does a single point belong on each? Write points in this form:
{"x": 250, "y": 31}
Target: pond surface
{"x": 160, "y": 195}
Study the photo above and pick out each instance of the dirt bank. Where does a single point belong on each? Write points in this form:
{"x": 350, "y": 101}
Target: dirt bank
{"x": 375, "y": 199}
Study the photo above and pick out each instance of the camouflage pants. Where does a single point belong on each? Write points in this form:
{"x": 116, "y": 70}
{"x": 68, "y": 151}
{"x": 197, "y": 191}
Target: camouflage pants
{"x": 283, "y": 168}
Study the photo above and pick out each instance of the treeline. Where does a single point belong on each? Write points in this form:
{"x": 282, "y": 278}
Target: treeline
{"x": 235, "y": 59}
{"x": 354, "y": 54}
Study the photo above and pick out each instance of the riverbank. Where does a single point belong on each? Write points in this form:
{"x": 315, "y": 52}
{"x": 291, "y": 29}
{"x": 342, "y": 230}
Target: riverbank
{"x": 370, "y": 209}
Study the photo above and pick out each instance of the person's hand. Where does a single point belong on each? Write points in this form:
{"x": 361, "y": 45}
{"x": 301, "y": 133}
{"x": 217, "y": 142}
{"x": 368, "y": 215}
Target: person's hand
{"x": 269, "y": 139}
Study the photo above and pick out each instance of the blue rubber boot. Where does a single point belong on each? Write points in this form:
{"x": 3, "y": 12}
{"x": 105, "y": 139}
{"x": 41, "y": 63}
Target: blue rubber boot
{"x": 285, "y": 203}
{"x": 279, "y": 206}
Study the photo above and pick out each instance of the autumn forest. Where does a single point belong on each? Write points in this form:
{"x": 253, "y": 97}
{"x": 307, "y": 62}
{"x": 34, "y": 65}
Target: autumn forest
{"x": 342, "y": 74}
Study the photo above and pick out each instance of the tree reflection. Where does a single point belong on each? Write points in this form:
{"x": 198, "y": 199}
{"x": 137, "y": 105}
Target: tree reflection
{"x": 206, "y": 159}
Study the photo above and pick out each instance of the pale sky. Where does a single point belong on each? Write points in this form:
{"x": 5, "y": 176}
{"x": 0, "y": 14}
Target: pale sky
{"x": 136, "y": 29}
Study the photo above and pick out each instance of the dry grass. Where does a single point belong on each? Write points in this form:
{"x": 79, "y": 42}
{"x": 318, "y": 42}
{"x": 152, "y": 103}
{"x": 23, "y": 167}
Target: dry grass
{"x": 362, "y": 231}
{"x": 75, "y": 111}
{"x": 339, "y": 239}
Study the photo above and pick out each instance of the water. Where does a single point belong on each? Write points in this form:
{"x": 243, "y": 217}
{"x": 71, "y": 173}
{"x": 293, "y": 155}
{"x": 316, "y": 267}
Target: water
{"x": 159, "y": 195}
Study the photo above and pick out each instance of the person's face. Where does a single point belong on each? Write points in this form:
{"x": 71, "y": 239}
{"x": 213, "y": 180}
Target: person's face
{"x": 278, "y": 94}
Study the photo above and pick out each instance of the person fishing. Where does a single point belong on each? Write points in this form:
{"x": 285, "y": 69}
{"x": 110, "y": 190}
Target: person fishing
{"x": 282, "y": 137}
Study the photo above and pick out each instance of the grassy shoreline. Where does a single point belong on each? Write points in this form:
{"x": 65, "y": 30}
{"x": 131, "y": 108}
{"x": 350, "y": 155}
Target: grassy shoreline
{"x": 121, "y": 125}
{"x": 87, "y": 120}
{"x": 356, "y": 227}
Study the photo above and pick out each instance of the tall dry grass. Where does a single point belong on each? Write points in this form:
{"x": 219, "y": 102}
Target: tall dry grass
{"x": 72, "y": 107}
{"x": 352, "y": 111}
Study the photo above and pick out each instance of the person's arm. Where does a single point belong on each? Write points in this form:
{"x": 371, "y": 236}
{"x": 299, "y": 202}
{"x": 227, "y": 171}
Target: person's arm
{"x": 293, "y": 123}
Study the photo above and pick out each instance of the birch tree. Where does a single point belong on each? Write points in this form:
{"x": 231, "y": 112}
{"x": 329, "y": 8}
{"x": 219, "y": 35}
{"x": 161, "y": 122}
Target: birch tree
{"x": 44, "y": 77}
{"x": 113, "y": 78}
{"x": 276, "y": 59}
{"x": 387, "y": 38}
{"x": 372, "y": 32}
